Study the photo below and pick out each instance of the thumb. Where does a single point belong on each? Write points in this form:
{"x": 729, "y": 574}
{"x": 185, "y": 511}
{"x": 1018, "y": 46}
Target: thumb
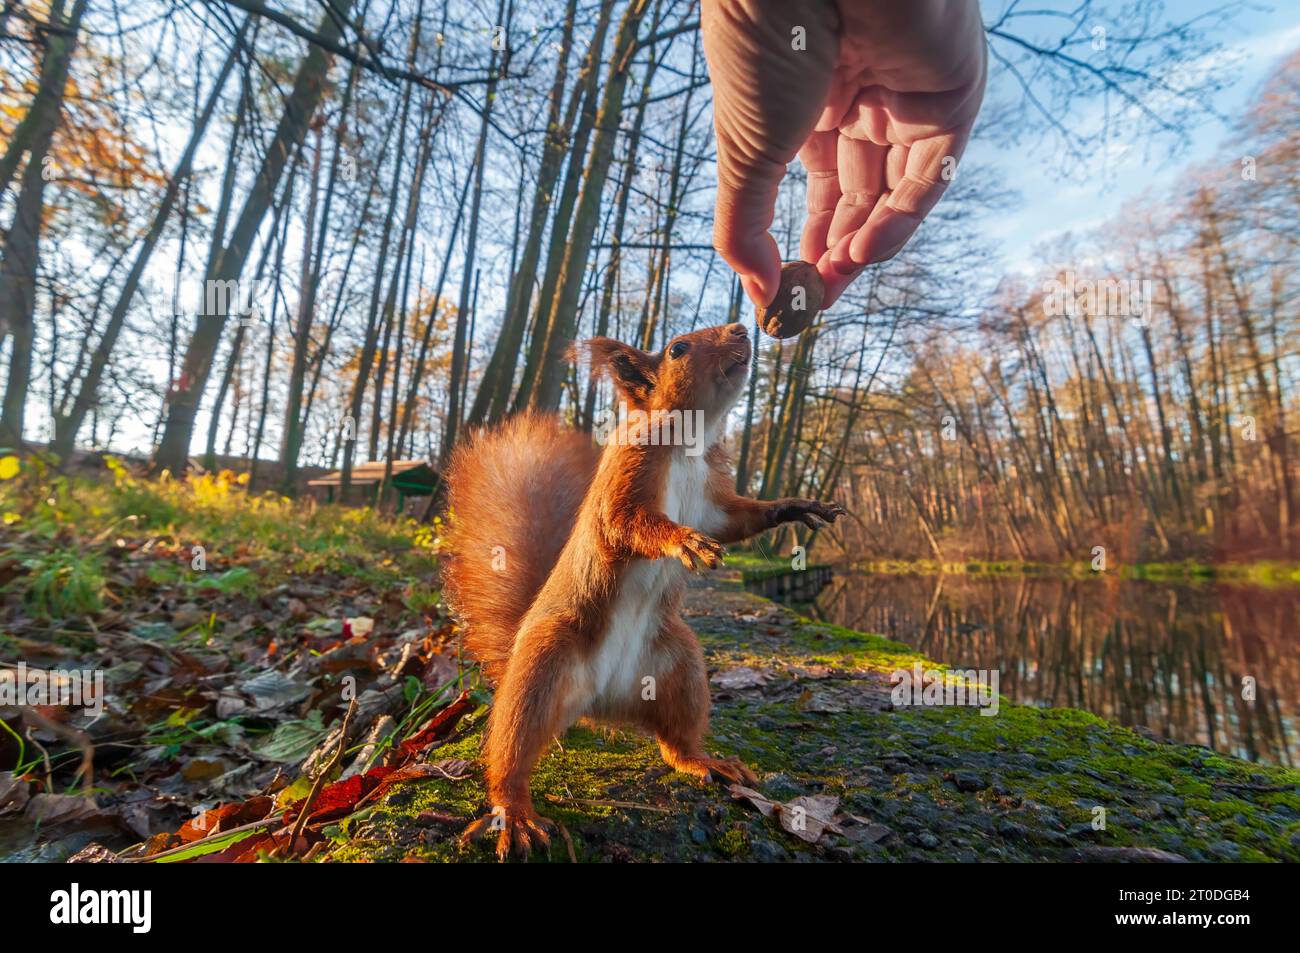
{"x": 770, "y": 65}
{"x": 742, "y": 217}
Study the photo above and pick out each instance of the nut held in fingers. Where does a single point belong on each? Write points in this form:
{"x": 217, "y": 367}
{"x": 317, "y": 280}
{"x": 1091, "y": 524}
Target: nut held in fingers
{"x": 796, "y": 303}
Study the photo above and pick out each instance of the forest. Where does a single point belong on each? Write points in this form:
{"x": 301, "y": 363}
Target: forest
{"x": 317, "y": 235}
{"x": 261, "y": 258}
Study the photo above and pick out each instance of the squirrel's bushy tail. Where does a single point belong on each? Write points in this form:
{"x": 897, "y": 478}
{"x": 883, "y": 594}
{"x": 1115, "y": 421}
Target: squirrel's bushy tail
{"x": 513, "y": 493}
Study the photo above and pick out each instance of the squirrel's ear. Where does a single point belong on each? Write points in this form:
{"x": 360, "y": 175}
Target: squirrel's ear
{"x": 632, "y": 370}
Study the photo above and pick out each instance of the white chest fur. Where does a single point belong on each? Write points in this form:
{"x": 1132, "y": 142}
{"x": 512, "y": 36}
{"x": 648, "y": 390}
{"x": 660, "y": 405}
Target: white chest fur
{"x": 623, "y": 660}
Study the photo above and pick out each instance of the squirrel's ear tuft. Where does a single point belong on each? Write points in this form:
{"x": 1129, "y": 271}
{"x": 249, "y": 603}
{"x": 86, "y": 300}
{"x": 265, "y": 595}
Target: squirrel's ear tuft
{"x": 632, "y": 370}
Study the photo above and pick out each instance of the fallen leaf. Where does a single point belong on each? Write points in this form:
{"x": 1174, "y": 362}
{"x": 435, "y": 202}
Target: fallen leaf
{"x": 94, "y": 853}
{"x": 360, "y": 625}
{"x": 270, "y": 690}
{"x": 806, "y": 817}
{"x": 765, "y": 806}
{"x": 809, "y": 816}
{"x": 741, "y": 677}
{"x": 225, "y": 817}
{"x": 203, "y": 769}
{"x": 14, "y": 793}
{"x": 293, "y": 740}
{"x": 50, "y": 809}
{"x": 441, "y": 724}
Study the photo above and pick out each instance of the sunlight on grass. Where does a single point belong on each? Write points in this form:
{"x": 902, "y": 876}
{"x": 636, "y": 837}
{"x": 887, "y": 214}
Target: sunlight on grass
{"x": 206, "y": 529}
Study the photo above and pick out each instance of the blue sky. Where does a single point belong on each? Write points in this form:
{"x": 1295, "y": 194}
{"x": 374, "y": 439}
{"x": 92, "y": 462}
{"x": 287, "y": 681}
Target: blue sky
{"x": 1049, "y": 203}
{"x": 1052, "y": 204}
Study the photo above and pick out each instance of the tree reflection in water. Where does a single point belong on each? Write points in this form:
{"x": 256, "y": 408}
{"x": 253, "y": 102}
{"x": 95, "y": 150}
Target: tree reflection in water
{"x": 1173, "y": 657}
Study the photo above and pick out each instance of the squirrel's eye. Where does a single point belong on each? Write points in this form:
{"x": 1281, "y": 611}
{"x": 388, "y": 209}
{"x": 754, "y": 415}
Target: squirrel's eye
{"x": 678, "y": 349}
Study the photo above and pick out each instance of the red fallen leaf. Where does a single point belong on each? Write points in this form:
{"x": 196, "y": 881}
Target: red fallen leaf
{"x": 440, "y": 725}
{"x": 252, "y": 848}
{"x": 340, "y": 798}
{"x": 343, "y": 797}
{"x": 240, "y": 852}
{"x": 201, "y": 825}
{"x": 225, "y": 817}
{"x": 453, "y": 770}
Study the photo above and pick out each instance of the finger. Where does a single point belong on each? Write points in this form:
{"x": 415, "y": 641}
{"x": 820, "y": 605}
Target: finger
{"x": 818, "y": 156}
{"x": 740, "y": 230}
{"x": 861, "y": 166}
{"x": 926, "y": 172}
{"x": 768, "y": 93}
{"x": 835, "y": 281}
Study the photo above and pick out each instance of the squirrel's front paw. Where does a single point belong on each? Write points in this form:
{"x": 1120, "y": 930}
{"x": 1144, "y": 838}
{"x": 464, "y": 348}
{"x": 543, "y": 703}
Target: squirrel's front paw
{"x": 518, "y": 831}
{"x": 696, "y": 550}
{"x": 812, "y": 513}
{"x": 718, "y": 770}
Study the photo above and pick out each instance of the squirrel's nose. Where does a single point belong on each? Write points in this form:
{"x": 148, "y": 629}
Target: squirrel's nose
{"x": 737, "y": 330}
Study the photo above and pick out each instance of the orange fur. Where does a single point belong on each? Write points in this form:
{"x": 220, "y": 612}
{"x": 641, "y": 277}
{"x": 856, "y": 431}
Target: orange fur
{"x": 518, "y": 487}
{"x": 582, "y": 613}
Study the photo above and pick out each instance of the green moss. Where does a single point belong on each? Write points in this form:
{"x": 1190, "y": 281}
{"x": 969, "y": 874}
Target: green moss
{"x": 943, "y": 783}
{"x": 1263, "y": 572}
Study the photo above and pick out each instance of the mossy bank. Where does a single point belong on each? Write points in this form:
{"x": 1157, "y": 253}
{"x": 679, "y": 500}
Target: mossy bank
{"x": 808, "y": 706}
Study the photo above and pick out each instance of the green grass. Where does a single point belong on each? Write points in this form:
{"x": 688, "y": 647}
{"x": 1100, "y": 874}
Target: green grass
{"x": 63, "y": 583}
{"x": 205, "y": 531}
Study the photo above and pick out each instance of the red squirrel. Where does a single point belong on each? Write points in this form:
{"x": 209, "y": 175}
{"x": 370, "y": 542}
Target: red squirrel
{"x": 567, "y": 564}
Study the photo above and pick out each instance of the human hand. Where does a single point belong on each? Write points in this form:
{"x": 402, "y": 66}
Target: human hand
{"x": 877, "y": 98}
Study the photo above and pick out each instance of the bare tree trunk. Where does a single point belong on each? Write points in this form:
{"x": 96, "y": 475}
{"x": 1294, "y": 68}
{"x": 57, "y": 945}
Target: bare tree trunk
{"x": 417, "y": 374}
{"x": 20, "y": 245}
{"x": 42, "y": 115}
{"x": 494, "y": 392}
{"x": 459, "y": 357}
{"x": 67, "y": 427}
{"x": 585, "y": 95}
{"x": 550, "y": 371}
{"x": 300, "y": 106}
{"x": 265, "y": 404}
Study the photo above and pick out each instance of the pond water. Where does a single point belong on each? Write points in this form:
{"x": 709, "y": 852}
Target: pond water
{"x": 1172, "y": 657}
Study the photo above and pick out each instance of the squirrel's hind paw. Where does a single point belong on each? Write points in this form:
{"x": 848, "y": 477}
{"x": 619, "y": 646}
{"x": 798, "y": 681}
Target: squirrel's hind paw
{"x": 517, "y": 832}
